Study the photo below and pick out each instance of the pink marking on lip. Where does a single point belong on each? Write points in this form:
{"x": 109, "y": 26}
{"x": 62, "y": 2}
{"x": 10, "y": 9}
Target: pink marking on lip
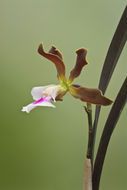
{"x": 44, "y": 99}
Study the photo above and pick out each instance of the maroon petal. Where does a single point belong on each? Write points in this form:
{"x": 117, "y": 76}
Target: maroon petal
{"x": 90, "y": 95}
{"x": 80, "y": 63}
{"x": 55, "y": 56}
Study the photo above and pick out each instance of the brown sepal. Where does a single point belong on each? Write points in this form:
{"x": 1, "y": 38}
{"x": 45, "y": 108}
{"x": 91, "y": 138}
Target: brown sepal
{"x": 80, "y": 63}
{"x": 90, "y": 95}
{"x": 55, "y": 56}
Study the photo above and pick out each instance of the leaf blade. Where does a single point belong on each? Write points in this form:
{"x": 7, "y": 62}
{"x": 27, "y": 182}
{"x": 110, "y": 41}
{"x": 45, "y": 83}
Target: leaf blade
{"x": 119, "y": 40}
{"x": 114, "y": 51}
{"x": 107, "y": 132}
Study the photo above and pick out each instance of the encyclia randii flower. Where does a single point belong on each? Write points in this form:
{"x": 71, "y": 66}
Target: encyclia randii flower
{"x": 43, "y": 95}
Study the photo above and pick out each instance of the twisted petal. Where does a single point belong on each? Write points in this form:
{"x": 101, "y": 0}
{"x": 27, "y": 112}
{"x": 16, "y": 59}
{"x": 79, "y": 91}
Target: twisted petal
{"x": 54, "y": 91}
{"x": 38, "y": 92}
{"x": 80, "y": 63}
{"x": 90, "y": 95}
{"x": 55, "y": 56}
{"x": 41, "y": 102}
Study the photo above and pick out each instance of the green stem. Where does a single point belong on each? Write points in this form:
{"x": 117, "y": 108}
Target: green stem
{"x": 88, "y": 110}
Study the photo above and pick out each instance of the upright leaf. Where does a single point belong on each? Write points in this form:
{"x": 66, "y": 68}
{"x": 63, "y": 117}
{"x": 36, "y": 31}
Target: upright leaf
{"x": 107, "y": 132}
{"x": 115, "y": 49}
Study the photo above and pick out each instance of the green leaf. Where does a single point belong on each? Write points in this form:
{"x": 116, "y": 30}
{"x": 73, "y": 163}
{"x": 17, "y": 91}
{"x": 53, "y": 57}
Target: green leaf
{"x": 107, "y": 132}
{"x": 115, "y": 49}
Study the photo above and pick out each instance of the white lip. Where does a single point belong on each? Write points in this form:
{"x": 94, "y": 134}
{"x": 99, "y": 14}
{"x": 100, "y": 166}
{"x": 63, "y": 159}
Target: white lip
{"x": 49, "y": 92}
{"x": 30, "y": 107}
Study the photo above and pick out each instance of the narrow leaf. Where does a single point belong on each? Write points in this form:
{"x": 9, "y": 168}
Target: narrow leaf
{"x": 114, "y": 52}
{"x": 107, "y": 132}
{"x": 115, "y": 49}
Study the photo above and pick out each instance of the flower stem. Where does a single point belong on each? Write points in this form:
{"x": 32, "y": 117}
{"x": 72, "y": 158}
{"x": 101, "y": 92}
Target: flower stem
{"x": 88, "y": 110}
{"x": 88, "y": 162}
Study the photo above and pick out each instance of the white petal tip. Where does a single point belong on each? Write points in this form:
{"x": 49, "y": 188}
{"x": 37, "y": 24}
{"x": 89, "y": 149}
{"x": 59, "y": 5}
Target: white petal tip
{"x": 24, "y": 109}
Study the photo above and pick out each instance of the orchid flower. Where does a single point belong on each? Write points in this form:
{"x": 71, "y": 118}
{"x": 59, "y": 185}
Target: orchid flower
{"x": 43, "y": 95}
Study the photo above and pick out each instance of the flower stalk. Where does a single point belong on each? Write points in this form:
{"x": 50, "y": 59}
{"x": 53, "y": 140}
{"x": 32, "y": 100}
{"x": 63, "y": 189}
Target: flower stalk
{"x": 88, "y": 110}
{"x": 88, "y": 161}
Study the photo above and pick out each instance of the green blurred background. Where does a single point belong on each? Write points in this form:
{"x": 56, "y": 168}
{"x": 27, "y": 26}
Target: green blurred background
{"x": 45, "y": 150}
